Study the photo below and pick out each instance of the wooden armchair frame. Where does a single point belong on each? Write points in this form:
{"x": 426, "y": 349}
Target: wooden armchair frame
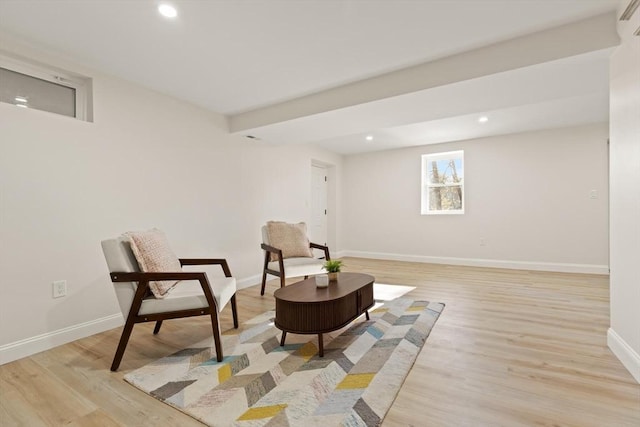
{"x": 268, "y": 250}
{"x": 142, "y": 291}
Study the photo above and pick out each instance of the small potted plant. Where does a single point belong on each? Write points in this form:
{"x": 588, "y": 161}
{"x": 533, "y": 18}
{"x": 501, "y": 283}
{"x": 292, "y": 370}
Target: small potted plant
{"x": 333, "y": 268}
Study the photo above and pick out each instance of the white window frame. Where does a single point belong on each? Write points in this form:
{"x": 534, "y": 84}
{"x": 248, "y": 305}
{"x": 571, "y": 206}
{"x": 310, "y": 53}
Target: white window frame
{"x": 426, "y": 185}
{"x": 53, "y": 75}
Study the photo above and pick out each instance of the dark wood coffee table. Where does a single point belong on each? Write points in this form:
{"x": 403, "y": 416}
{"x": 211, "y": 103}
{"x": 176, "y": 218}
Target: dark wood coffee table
{"x": 303, "y": 308}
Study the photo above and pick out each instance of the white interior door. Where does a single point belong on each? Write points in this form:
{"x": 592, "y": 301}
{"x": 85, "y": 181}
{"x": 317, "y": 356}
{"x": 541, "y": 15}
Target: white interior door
{"x": 318, "y": 225}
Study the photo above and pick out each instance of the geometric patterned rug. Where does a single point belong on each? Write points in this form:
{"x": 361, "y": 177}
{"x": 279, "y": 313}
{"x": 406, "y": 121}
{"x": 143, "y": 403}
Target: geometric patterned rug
{"x": 260, "y": 383}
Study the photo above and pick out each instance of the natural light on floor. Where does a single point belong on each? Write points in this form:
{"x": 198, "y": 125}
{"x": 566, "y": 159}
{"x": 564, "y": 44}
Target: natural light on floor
{"x": 383, "y": 292}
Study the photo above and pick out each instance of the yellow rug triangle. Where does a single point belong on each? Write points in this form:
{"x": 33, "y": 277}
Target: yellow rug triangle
{"x": 261, "y": 412}
{"x": 224, "y": 373}
{"x": 356, "y": 381}
{"x": 308, "y": 350}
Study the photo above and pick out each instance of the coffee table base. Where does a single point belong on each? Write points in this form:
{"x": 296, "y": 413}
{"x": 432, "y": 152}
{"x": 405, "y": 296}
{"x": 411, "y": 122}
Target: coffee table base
{"x": 320, "y": 339}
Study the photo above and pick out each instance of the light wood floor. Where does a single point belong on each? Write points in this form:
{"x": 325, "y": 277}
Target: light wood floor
{"x": 512, "y": 348}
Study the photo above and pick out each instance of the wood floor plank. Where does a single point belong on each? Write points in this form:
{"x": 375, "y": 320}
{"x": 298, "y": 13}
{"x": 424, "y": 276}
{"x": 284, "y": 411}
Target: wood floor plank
{"x": 41, "y": 394}
{"x": 96, "y": 418}
{"x": 512, "y": 348}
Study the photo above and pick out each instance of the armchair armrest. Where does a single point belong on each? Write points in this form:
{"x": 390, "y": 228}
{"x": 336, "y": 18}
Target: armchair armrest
{"x": 278, "y": 252}
{"x": 208, "y": 261}
{"x": 145, "y": 277}
{"x": 275, "y": 251}
{"x": 272, "y": 249}
{"x": 323, "y": 247}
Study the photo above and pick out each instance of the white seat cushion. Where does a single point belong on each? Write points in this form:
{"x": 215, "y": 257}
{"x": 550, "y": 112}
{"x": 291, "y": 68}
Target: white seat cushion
{"x": 188, "y": 294}
{"x": 296, "y": 267}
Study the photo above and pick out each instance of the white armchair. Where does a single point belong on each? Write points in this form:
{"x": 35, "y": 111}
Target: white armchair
{"x": 195, "y": 294}
{"x": 289, "y": 253}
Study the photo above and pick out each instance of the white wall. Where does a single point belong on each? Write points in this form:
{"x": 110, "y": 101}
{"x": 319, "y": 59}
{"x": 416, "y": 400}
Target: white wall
{"x": 624, "y": 334}
{"x": 147, "y": 161}
{"x": 527, "y": 195}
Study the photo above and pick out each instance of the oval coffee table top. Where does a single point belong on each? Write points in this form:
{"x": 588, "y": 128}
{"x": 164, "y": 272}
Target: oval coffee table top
{"x": 306, "y": 291}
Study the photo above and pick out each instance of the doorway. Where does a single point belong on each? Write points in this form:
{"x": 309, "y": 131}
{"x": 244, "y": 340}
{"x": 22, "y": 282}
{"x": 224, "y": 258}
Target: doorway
{"x": 318, "y": 223}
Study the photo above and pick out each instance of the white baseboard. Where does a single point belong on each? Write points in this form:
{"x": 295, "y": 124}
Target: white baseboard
{"x": 629, "y": 358}
{"x": 26, "y": 347}
{"x": 492, "y": 263}
{"x": 247, "y": 282}
{"x": 340, "y": 254}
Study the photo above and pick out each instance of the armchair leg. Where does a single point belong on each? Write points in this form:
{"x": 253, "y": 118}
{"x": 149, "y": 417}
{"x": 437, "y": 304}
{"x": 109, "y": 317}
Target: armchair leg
{"x": 234, "y": 310}
{"x": 124, "y": 339}
{"x": 157, "y": 328}
{"x": 216, "y": 334}
{"x": 264, "y": 281}
{"x": 281, "y": 280}
{"x": 264, "y": 271}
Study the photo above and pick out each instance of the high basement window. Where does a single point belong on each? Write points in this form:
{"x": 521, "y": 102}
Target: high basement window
{"x": 36, "y": 86}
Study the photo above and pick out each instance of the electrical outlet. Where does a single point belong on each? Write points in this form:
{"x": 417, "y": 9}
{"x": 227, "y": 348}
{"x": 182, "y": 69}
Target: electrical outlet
{"x": 482, "y": 241}
{"x": 59, "y": 288}
{"x": 593, "y": 194}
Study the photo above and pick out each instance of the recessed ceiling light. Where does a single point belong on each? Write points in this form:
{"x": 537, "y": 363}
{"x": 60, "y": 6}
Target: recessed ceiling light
{"x": 483, "y": 119}
{"x": 21, "y": 99}
{"x": 167, "y": 11}
{"x": 369, "y": 138}
{"x": 21, "y": 105}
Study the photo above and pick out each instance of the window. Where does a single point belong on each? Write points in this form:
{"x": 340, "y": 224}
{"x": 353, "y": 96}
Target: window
{"x": 443, "y": 183}
{"x": 28, "y": 85}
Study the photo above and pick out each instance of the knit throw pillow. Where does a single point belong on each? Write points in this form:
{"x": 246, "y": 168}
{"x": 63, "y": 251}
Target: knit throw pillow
{"x": 153, "y": 253}
{"x": 290, "y": 238}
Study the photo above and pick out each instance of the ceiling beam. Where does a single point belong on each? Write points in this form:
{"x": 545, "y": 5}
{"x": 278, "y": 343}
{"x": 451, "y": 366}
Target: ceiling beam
{"x": 584, "y": 36}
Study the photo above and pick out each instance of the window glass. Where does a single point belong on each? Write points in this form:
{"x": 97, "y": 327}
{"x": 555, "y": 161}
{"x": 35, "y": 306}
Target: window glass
{"x": 443, "y": 183}
{"x": 31, "y": 92}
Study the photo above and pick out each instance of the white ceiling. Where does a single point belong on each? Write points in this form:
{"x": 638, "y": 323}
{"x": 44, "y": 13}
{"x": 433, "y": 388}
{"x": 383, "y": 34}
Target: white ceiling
{"x": 331, "y": 72}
